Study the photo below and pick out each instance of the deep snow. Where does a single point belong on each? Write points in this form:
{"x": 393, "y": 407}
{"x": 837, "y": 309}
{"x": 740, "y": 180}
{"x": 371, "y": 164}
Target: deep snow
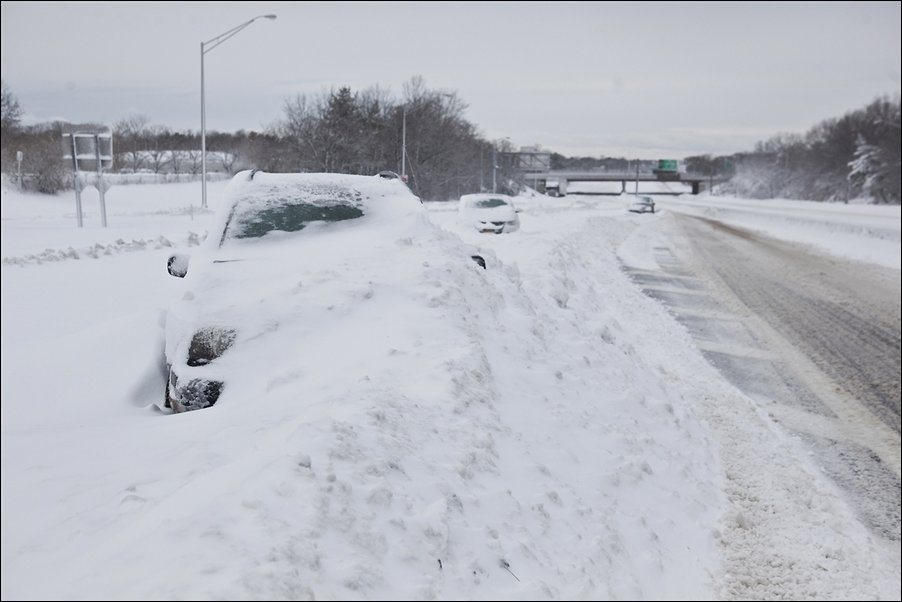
{"x": 536, "y": 430}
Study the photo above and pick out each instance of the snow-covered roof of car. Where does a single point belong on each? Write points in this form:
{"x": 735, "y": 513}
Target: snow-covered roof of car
{"x": 284, "y": 187}
{"x": 258, "y": 202}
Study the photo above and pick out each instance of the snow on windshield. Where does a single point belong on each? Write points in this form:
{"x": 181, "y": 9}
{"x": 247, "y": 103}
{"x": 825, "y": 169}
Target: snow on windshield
{"x": 489, "y": 203}
{"x": 270, "y": 209}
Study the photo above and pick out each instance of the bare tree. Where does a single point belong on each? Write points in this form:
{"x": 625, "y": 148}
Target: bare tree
{"x": 43, "y": 158}
{"x": 10, "y": 110}
{"x": 179, "y": 143}
{"x": 194, "y": 159}
{"x": 228, "y": 161}
{"x": 155, "y": 141}
{"x": 307, "y": 135}
{"x": 11, "y": 118}
{"x": 130, "y": 134}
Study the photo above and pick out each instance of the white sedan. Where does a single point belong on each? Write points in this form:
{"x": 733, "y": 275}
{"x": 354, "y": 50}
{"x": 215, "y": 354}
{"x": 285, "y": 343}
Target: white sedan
{"x": 490, "y": 213}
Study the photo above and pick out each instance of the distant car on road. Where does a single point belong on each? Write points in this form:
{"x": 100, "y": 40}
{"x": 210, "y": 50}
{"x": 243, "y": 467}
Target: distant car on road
{"x": 642, "y": 204}
{"x": 490, "y": 213}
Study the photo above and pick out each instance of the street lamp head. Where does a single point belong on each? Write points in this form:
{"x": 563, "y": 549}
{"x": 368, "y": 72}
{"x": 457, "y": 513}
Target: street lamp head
{"x": 270, "y": 17}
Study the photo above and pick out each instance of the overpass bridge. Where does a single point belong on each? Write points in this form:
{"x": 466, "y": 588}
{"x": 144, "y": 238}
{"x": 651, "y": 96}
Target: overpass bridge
{"x": 557, "y": 182}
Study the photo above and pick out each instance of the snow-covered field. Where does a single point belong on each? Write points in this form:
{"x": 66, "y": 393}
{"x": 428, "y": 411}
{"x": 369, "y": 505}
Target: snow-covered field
{"x": 552, "y": 434}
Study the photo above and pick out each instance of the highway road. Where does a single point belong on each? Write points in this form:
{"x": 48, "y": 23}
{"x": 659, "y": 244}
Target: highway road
{"x": 814, "y": 339}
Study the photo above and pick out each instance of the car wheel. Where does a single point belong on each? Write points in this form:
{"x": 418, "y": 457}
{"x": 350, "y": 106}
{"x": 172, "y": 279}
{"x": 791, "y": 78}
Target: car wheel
{"x": 196, "y": 394}
{"x": 199, "y": 393}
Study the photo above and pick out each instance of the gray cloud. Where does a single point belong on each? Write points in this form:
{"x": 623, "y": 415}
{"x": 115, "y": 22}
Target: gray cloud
{"x": 587, "y": 78}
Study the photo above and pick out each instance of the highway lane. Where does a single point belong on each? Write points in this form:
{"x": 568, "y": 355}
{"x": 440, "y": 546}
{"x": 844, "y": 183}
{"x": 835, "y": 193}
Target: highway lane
{"x": 814, "y": 339}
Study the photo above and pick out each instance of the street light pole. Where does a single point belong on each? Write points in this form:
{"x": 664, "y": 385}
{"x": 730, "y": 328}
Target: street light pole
{"x": 495, "y": 166}
{"x": 494, "y": 169}
{"x": 481, "y": 168}
{"x": 404, "y": 145}
{"x": 404, "y": 134}
{"x": 206, "y": 47}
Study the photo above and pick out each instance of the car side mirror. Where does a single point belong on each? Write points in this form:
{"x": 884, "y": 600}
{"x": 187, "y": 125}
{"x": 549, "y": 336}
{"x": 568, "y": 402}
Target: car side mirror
{"x": 479, "y": 260}
{"x": 178, "y": 265}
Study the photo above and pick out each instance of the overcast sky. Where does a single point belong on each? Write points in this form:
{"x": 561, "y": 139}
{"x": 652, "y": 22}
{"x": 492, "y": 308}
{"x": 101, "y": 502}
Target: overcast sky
{"x": 643, "y": 80}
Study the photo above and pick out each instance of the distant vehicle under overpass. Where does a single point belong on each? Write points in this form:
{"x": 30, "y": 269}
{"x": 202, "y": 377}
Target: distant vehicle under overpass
{"x": 559, "y": 182}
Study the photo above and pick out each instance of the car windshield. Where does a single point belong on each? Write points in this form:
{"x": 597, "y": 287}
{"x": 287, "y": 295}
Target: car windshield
{"x": 261, "y": 212}
{"x": 489, "y": 203}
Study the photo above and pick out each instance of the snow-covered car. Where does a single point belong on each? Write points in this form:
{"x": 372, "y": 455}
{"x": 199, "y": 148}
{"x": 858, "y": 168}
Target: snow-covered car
{"x": 491, "y": 213}
{"x": 288, "y": 259}
{"x": 642, "y": 204}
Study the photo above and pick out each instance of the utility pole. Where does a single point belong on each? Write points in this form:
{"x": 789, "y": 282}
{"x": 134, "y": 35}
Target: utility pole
{"x": 481, "y": 168}
{"x": 19, "y": 157}
{"x": 404, "y": 144}
{"x": 494, "y": 170}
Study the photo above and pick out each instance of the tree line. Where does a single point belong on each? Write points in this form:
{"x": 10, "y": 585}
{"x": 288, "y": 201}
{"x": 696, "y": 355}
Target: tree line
{"x": 362, "y": 132}
{"x": 337, "y": 131}
{"x": 853, "y": 156}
